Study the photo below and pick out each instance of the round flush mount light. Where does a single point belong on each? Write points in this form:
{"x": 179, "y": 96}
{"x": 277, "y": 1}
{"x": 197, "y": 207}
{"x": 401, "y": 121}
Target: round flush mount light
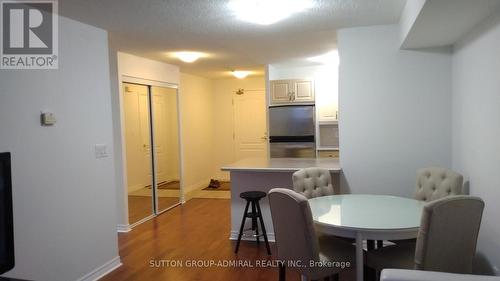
{"x": 265, "y": 12}
{"x": 240, "y": 74}
{"x": 188, "y": 57}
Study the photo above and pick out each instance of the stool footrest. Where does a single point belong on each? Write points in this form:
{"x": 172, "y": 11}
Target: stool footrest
{"x": 252, "y": 235}
{"x": 252, "y": 215}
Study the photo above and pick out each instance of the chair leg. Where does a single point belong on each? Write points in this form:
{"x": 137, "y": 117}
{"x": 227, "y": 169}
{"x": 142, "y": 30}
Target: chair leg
{"x": 255, "y": 224}
{"x": 241, "y": 228}
{"x": 370, "y": 245}
{"x": 253, "y": 211}
{"x": 282, "y": 274}
{"x": 263, "y": 228}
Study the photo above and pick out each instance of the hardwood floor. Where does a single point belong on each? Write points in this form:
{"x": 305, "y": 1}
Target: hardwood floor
{"x": 139, "y": 207}
{"x": 197, "y": 230}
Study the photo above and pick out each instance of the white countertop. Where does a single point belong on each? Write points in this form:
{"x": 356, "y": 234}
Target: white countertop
{"x": 282, "y": 164}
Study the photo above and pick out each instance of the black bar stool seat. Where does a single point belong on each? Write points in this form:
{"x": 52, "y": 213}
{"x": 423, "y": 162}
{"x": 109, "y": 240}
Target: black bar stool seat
{"x": 253, "y": 198}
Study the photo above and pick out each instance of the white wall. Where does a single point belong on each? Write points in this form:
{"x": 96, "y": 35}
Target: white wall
{"x": 134, "y": 66}
{"x": 197, "y": 130}
{"x": 121, "y": 65}
{"x": 476, "y": 127}
{"x": 64, "y": 198}
{"x": 395, "y": 111}
{"x": 279, "y": 72}
{"x": 224, "y": 146}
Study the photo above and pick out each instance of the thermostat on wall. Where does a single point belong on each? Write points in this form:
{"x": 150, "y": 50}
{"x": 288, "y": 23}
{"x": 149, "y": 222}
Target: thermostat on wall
{"x": 48, "y": 118}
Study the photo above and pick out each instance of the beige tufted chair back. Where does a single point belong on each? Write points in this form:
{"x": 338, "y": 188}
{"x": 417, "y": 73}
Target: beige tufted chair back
{"x": 313, "y": 182}
{"x": 435, "y": 183}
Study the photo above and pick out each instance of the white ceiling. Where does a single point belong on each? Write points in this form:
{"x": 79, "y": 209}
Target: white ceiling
{"x": 152, "y": 28}
{"x": 444, "y": 22}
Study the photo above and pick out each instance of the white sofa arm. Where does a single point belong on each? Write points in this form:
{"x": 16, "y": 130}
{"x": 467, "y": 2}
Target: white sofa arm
{"x": 417, "y": 275}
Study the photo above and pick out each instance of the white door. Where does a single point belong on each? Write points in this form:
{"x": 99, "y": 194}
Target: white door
{"x": 250, "y": 130}
{"x": 137, "y": 136}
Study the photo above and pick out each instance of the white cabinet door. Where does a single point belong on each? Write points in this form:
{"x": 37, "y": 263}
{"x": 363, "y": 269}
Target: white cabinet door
{"x": 303, "y": 91}
{"x": 326, "y": 95}
{"x": 327, "y": 108}
{"x": 280, "y": 91}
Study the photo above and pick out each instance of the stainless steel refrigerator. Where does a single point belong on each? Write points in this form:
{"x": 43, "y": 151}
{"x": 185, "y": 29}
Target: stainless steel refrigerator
{"x": 292, "y": 131}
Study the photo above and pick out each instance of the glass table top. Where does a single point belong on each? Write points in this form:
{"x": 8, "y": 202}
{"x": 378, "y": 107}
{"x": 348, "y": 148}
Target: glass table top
{"x": 375, "y": 212}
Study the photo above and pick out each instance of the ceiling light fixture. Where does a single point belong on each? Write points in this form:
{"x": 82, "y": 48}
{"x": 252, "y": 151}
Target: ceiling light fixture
{"x": 331, "y": 58}
{"x": 188, "y": 57}
{"x": 267, "y": 12}
{"x": 240, "y": 74}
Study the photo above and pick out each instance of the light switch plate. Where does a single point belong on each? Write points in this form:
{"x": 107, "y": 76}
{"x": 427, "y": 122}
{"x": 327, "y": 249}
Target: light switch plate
{"x": 101, "y": 151}
{"x": 47, "y": 118}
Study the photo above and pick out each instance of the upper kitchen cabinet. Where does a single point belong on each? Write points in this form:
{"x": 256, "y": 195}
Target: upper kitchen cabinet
{"x": 327, "y": 97}
{"x": 292, "y": 91}
{"x": 327, "y": 106}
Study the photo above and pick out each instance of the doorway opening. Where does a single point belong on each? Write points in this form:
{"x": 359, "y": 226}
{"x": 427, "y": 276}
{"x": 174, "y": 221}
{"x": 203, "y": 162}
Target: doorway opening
{"x": 152, "y": 150}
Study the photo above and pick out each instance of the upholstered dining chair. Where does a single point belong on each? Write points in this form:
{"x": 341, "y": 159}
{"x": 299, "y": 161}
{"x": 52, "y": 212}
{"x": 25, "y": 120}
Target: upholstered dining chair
{"x": 435, "y": 183}
{"x": 296, "y": 240}
{"x": 313, "y": 182}
{"x": 446, "y": 240}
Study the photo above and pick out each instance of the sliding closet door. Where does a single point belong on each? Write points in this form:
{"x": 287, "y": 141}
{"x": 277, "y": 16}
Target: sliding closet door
{"x": 138, "y": 151}
{"x": 166, "y": 144}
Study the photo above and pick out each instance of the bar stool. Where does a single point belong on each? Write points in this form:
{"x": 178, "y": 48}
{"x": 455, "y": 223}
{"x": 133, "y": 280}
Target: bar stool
{"x": 253, "y": 198}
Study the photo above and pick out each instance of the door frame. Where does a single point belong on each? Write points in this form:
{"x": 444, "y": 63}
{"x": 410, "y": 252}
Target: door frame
{"x": 150, "y": 83}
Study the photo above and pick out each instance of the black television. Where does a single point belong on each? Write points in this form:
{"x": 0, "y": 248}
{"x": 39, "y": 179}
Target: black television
{"x": 6, "y": 218}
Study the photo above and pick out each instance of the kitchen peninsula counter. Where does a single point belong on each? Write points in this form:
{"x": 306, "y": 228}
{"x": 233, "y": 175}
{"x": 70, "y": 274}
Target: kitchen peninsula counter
{"x": 262, "y": 174}
{"x": 282, "y": 164}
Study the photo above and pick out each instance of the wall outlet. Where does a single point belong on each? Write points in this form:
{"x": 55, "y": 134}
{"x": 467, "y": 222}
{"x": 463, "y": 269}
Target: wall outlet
{"x": 101, "y": 151}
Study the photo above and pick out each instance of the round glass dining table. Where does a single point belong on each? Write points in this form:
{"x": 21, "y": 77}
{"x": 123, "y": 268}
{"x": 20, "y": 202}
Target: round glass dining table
{"x": 366, "y": 217}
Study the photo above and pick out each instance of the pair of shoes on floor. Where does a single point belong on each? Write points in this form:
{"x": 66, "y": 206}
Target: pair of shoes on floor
{"x": 214, "y": 184}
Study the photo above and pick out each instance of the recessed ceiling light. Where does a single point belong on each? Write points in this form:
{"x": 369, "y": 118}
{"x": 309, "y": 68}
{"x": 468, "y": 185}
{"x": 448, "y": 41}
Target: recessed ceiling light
{"x": 267, "y": 12}
{"x": 240, "y": 74}
{"x": 188, "y": 57}
{"x": 331, "y": 57}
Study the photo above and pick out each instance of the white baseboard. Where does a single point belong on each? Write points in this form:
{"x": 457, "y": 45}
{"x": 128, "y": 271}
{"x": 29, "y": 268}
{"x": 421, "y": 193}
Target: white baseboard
{"x": 191, "y": 189}
{"x": 102, "y": 270}
{"x": 123, "y": 228}
{"x": 234, "y": 236}
{"x": 196, "y": 186}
